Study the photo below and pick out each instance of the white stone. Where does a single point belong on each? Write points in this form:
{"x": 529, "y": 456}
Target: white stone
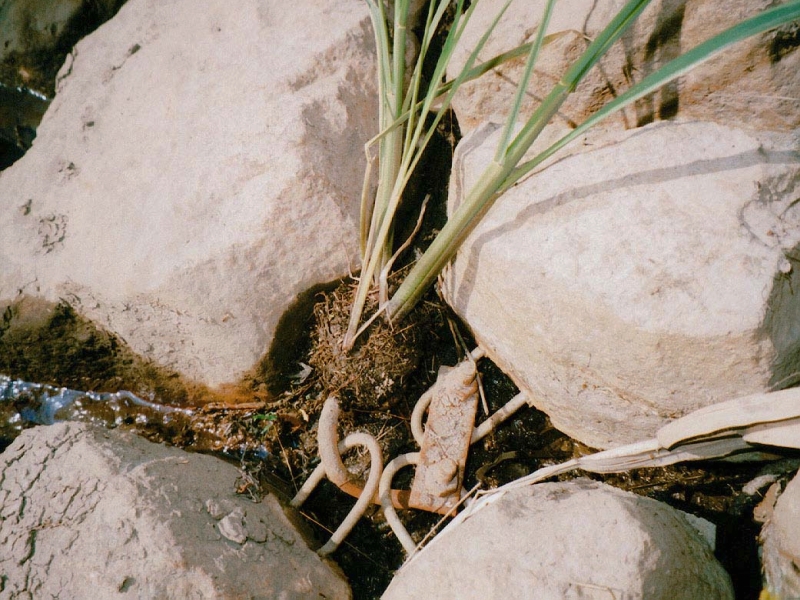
{"x": 199, "y": 167}
{"x": 755, "y": 83}
{"x": 232, "y": 527}
{"x": 780, "y": 539}
{"x": 90, "y": 513}
{"x": 637, "y": 279}
{"x": 578, "y": 539}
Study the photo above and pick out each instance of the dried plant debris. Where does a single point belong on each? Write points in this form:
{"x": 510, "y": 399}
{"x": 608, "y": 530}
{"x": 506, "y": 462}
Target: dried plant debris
{"x": 376, "y": 372}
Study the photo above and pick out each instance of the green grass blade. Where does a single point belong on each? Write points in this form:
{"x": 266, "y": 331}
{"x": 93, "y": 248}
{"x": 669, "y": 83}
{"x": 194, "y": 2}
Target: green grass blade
{"x": 522, "y": 86}
{"x": 760, "y": 23}
{"x": 411, "y": 158}
{"x": 483, "y": 195}
{"x": 434, "y": 18}
{"x": 390, "y": 83}
{"x": 471, "y": 74}
{"x": 416, "y": 119}
{"x": 399, "y": 55}
{"x": 395, "y": 143}
{"x": 404, "y": 157}
{"x": 434, "y": 94}
{"x": 498, "y": 176}
{"x": 612, "y": 32}
{"x": 384, "y": 67}
{"x": 441, "y": 250}
{"x": 493, "y": 63}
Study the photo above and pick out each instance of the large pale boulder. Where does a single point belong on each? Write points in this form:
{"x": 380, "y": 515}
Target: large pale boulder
{"x": 648, "y": 274}
{"x": 579, "y": 539}
{"x": 780, "y": 537}
{"x": 755, "y": 83}
{"x": 90, "y": 513}
{"x": 199, "y": 167}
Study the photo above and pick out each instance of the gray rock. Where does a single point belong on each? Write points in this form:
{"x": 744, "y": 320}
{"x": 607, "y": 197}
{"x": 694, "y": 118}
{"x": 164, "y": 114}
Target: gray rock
{"x": 753, "y": 84}
{"x": 780, "y": 539}
{"x": 578, "y": 539}
{"x": 232, "y": 527}
{"x": 91, "y": 513}
{"x": 644, "y": 276}
{"x": 197, "y": 170}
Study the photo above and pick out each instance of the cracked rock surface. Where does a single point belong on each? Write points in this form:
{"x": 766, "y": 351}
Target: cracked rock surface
{"x": 91, "y": 513}
{"x": 641, "y": 276}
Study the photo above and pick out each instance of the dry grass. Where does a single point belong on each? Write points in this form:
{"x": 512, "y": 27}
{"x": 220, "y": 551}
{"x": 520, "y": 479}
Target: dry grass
{"x": 375, "y": 373}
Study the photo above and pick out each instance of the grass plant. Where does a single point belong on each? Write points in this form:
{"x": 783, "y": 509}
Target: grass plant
{"x": 410, "y": 111}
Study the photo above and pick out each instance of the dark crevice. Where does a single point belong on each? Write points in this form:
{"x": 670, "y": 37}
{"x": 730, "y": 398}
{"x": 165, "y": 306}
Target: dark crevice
{"x": 28, "y": 76}
{"x": 663, "y": 45}
{"x": 782, "y": 323}
{"x": 786, "y": 39}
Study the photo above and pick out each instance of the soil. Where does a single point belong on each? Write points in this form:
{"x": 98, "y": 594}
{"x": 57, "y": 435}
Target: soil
{"x": 524, "y": 443}
{"x": 272, "y": 436}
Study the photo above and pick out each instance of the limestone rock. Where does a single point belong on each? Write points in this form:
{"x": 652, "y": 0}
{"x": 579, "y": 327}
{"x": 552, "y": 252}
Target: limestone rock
{"x": 754, "y": 84}
{"x": 780, "y": 538}
{"x": 644, "y": 276}
{"x": 91, "y": 513}
{"x": 199, "y": 167}
{"x": 578, "y": 539}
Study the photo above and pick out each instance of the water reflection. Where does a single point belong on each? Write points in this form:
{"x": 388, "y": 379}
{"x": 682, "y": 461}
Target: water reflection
{"x": 24, "y": 404}
{"x": 233, "y": 430}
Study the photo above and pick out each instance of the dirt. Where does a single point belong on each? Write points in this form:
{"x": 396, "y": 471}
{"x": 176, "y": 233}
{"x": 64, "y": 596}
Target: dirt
{"x": 524, "y": 443}
{"x": 272, "y": 435}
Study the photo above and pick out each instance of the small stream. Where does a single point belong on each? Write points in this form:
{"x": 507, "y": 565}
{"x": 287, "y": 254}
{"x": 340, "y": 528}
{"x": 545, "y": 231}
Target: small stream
{"x": 24, "y": 404}
{"x": 233, "y": 431}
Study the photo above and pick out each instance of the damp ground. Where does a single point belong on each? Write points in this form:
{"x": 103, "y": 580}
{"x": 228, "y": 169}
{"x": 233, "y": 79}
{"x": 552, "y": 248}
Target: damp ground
{"x": 269, "y": 428}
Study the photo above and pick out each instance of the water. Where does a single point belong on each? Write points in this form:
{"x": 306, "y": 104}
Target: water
{"x": 24, "y": 405}
{"x": 21, "y": 110}
{"x": 231, "y": 430}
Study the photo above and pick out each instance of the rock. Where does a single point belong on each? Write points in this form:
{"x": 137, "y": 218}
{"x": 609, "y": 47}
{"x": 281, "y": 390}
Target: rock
{"x": 87, "y": 512}
{"x": 753, "y": 84}
{"x": 645, "y": 276}
{"x": 780, "y": 539}
{"x": 198, "y": 169}
{"x": 579, "y": 539}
